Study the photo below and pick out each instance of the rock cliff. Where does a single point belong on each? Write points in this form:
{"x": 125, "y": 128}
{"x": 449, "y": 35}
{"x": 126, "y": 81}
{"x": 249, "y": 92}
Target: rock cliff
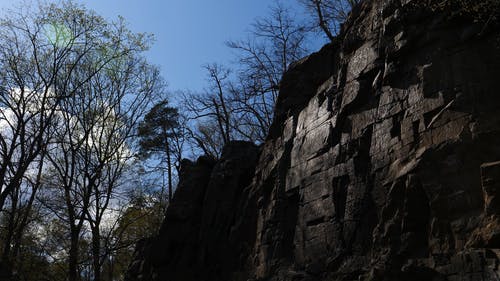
{"x": 382, "y": 164}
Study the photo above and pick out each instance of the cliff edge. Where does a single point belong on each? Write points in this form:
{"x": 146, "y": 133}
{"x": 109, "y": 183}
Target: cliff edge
{"x": 382, "y": 164}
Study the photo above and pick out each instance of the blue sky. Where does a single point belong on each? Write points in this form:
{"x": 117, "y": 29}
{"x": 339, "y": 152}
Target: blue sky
{"x": 189, "y": 33}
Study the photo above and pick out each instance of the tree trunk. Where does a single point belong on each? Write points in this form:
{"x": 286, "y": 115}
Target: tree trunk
{"x": 21, "y": 226}
{"x": 169, "y": 172}
{"x": 220, "y": 122}
{"x": 111, "y": 268}
{"x": 7, "y": 246}
{"x": 73, "y": 256}
{"x": 225, "y": 111}
{"x": 7, "y": 242}
{"x": 96, "y": 252}
{"x": 322, "y": 23}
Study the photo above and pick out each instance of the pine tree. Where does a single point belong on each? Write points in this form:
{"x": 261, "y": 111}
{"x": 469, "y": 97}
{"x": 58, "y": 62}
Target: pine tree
{"x": 157, "y": 131}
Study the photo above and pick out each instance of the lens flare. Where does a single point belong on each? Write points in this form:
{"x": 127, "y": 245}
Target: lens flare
{"x": 58, "y": 34}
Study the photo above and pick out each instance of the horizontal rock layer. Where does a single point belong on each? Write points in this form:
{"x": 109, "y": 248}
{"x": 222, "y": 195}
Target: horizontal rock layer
{"x": 381, "y": 164}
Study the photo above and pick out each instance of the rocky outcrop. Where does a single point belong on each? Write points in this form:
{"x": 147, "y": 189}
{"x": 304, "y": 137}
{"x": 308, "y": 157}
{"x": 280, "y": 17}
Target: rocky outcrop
{"x": 382, "y": 164}
{"x": 197, "y": 240}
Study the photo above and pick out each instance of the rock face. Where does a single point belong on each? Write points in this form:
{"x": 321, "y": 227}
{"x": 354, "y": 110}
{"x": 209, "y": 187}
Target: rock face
{"x": 199, "y": 227}
{"x": 381, "y": 164}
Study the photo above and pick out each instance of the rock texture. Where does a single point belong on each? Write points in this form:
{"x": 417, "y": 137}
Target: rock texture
{"x": 381, "y": 164}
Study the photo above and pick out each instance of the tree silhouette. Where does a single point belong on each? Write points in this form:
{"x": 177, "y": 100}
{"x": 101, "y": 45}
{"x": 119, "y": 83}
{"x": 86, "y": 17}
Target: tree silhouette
{"x": 157, "y": 131}
{"x": 328, "y": 15}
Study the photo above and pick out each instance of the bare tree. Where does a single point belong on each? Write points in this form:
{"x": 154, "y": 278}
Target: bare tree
{"x": 206, "y": 138}
{"x": 127, "y": 96}
{"x": 212, "y": 112}
{"x": 74, "y": 87}
{"x": 38, "y": 56}
{"x": 327, "y": 15}
{"x": 240, "y": 104}
{"x": 19, "y": 214}
{"x": 275, "y": 42}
